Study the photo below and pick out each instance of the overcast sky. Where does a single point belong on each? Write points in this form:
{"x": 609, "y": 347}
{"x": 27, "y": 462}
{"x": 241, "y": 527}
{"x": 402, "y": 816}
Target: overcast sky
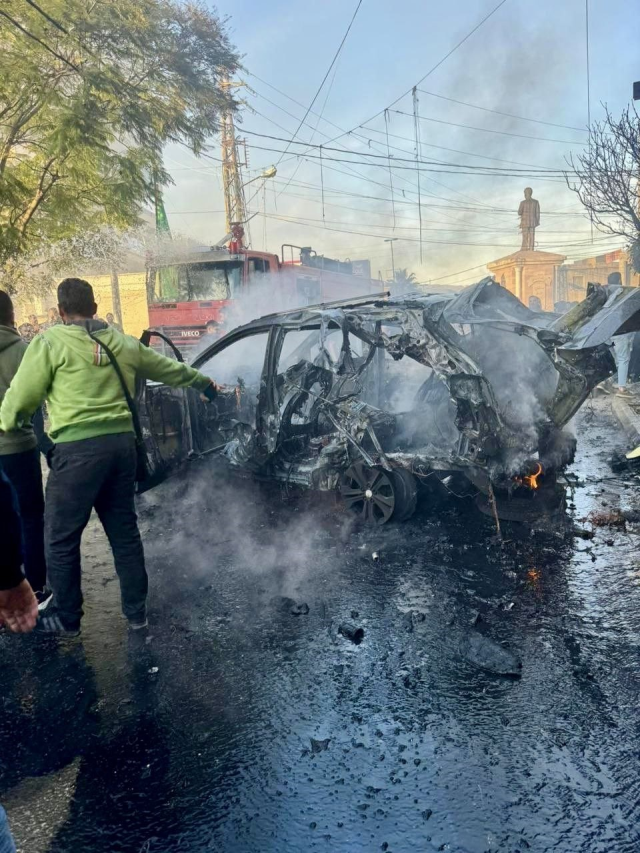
{"x": 528, "y": 60}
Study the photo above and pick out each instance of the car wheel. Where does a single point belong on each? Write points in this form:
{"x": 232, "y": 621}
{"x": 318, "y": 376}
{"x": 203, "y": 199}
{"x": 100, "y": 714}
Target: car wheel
{"x": 377, "y": 495}
{"x": 369, "y": 492}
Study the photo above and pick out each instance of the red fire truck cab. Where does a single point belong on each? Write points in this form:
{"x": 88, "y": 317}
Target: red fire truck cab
{"x": 237, "y": 286}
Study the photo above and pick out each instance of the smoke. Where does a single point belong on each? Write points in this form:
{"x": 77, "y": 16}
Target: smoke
{"x": 269, "y": 293}
{"x": 213, "y": 517}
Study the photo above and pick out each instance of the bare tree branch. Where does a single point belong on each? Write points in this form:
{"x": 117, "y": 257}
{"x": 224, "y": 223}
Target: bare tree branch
{"x": 606, "y": 175}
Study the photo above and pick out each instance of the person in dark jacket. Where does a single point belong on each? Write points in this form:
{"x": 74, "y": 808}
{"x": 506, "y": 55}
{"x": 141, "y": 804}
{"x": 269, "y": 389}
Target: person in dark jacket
{"x": 19, "y": 456}
{"x": 18, "y": 605}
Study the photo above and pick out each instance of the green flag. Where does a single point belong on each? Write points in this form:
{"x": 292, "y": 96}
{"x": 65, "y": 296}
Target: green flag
{"x": 167, "y": 276}
{"x": 162, "y": 223}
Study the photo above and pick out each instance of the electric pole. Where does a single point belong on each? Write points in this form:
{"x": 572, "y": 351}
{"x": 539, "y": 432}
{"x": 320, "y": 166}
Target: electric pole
{"x": 233, "y": 196}
{"x": 391, "y": 241}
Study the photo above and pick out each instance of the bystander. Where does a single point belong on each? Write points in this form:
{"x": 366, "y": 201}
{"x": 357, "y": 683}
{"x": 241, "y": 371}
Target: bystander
{"x": 19, "y": 456}
{"x": 18, "y": 606}
{"x": 81, "y": 368}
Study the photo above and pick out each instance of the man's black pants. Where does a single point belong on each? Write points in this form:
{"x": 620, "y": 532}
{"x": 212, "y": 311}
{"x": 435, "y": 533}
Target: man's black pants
{"x": 100, "y": 473}
{"x": 25, "y": 475}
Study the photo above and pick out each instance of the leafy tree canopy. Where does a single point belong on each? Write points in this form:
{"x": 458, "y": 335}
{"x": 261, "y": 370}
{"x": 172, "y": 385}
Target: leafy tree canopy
{"x": 90, "y": 92}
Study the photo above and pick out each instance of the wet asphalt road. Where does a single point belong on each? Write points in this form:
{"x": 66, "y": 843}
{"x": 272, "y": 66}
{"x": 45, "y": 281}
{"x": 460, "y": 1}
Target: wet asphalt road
{"x": 239, "y": 726}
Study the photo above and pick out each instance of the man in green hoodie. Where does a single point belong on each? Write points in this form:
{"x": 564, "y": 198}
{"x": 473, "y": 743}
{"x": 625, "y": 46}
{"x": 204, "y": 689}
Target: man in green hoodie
{"x": 93, "y": 463}
{"x": 20, "y": 458}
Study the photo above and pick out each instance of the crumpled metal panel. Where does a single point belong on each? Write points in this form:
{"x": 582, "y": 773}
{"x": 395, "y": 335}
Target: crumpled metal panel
{"x": 436, "y": 331}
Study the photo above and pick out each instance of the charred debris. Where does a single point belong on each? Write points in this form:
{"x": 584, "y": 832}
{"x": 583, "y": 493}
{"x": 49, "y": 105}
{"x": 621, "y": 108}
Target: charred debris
{"x": 372, "y": 397}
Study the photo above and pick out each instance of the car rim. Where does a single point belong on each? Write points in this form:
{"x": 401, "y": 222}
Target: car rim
{"x": 369, "y": 492}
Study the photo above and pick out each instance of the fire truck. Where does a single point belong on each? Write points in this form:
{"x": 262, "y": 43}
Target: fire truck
{"x": 234, "y": 284}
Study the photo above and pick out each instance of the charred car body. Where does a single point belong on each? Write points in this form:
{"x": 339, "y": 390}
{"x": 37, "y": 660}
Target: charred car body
{"x": 371, "y": 397}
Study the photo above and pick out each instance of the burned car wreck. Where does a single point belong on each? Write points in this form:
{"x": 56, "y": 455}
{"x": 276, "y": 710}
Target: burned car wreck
{"x": 371, "y": 397}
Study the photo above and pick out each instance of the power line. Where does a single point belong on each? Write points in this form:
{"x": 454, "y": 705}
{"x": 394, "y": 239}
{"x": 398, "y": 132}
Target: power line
{"x": 425, "y": 76}
{"x": 489, "y": 130}
{"x": 471, "y": 170}
{"x": 352, "y": 172}
{"x": 586, "y": 33}
{"x": 446, "y": 229}
{"x": 538, "y": 170}
{"x": 324, "y": 79}
{"x": 499, "y": 113}
{"x": 381, "y": 132}
{"x": 511, "y": 231}
{"x": 488, "y": 170}
{"x": 455, "y": 207}
{"x": 454, "y": 150}
{"x": 431, "y": 70}
{"x": 315, "y": 130}
{"x": 357, "y": 136}
{"x": 406, "y": 239}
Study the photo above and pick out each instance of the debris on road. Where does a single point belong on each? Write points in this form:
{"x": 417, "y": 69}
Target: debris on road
{"x": 488, "y": 655}
{"x": 319, "y": 745}
{"x": 351, "y": 632}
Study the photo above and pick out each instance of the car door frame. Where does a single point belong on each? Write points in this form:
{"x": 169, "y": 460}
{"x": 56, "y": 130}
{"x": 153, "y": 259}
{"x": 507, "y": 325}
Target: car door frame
{"x": 160, "y": 468}
{"x": 265, "y": 405}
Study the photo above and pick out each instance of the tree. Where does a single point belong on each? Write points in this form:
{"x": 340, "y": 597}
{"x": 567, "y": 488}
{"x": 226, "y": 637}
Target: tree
{"x": 605, "y": 178}
{"x": 90, "y": 92}
{"x": 106, "y": 251}
{"x": 404, "y": 278}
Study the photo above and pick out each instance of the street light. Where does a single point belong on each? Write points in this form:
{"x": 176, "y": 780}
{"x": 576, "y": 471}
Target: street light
{"x": 271, "y": 172}
{"x": 392, "y": 240}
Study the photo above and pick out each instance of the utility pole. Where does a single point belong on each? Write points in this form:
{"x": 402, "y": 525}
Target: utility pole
{"x": 234, "y": 205}
{"x": 115, "y": 295}
{"x": 391, "y": 241}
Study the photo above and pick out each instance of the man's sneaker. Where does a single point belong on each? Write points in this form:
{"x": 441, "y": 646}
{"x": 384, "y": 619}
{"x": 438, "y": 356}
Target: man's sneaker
{"x": 44, "y": 597}
{"x": 53, "y": 625}
{"x": 138, "y": 624}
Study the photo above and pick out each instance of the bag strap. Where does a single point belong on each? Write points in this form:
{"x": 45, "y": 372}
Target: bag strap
{"x": 130, "y": 402}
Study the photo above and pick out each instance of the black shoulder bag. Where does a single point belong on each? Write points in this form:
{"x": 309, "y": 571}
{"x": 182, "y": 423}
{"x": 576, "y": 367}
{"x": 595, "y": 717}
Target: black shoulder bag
{"x": 142, "y": 466}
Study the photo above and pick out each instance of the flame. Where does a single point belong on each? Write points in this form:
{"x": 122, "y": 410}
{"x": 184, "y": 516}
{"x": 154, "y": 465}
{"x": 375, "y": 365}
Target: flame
{"x": 534, "y": 579}
{"x": 532, "y": 479}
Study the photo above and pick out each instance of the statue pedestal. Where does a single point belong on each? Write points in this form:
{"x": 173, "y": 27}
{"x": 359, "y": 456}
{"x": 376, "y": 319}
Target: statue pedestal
{"x": 529, "y": 273}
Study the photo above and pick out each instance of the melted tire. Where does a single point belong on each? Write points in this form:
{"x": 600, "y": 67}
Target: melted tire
{"x": 406, "y": 492}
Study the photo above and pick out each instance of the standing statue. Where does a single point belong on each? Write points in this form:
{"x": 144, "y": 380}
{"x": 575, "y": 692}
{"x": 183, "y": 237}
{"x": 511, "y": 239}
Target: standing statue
{"x": 529, "y": 213}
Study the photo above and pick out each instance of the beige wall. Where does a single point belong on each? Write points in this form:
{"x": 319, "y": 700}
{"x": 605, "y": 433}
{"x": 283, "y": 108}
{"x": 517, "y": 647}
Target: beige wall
{"x": 133, "y": 300}
{"x": 578, "y": 274}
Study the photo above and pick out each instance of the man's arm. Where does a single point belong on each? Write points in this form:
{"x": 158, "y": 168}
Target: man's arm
{"x": 175, "y": 373}
{"x": 28, "y": 387}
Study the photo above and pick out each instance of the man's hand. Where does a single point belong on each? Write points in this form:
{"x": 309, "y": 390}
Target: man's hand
{"x": 210, "y": 393}
{"x": 18, "y": 608}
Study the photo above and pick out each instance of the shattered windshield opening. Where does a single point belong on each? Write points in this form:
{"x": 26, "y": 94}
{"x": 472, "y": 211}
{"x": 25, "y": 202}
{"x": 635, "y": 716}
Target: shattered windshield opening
{"x": 210, "y": 280}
